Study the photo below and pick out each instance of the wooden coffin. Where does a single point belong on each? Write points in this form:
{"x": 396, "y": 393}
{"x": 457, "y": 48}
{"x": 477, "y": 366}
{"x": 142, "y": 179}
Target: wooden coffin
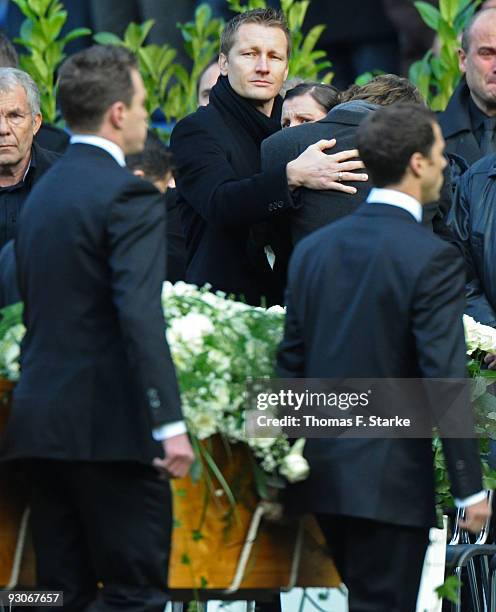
{"x": 13, "y": 502}
{"x": 209, "y": 535}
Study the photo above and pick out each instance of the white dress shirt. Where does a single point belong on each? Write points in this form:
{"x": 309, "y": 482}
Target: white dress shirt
{"x": 176, "y": 427}
{"x": 413, "y": 206}
{"x": 396, "y": 198}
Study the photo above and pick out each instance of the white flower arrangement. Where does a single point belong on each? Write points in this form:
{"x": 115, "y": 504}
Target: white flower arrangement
{"x": 478, "y": 337}
{"x": 217, "y": 344}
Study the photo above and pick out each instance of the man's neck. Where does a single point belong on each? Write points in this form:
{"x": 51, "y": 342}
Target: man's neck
{"x": 408, "y": 188}
{"x": 265, "y": 107}
{"x": 11, "y": 175}
{"x": 489, "y": 111}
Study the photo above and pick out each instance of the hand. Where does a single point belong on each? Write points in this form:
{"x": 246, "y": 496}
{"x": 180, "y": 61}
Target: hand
{"x": 316, "y": 170}
{"x": 178, "y": 457}
{"x": 490, "y": 361}
{"x": 476, "y": 516}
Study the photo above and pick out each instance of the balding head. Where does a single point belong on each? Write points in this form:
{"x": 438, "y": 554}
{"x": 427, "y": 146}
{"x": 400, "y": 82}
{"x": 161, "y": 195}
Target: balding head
{"x": 478, "y": 59}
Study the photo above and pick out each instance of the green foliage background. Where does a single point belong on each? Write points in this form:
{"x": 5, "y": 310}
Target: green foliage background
{"x": 173, "y": 89}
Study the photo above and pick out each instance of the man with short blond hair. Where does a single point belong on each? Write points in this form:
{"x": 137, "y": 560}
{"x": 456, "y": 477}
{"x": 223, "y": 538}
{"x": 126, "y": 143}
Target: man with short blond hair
{"x": 227, "y": 201}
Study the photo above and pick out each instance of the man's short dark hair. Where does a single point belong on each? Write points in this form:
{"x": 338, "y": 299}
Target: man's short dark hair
{"x": 91, "y": 81}
{"x": 384, "y": 89}
{"x": 326, "y": 96}
{"x": 8, "y": 54}
{"x": 389, "y": 137}
{"x": 155, "y": 160}
{"x": 267, "y": 17}
{"x": 467, "y": 30}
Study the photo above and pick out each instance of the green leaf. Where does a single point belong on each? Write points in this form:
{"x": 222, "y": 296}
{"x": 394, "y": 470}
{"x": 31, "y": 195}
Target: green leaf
{"x": 25, "y": 9}
{"x": 311, "y": 38}
{"x": 429, "y": 14}
{"x": 185, "y": 559}
{"x": 135, "y": 34}
{"x": 107, "y": 38}
{"x": 364, "y": 78}
{"x": 76, "y": 33}
{"x": 203, "y": 582}
{"x": 449, "y": 589}
{"x": 197, "y": 535}
{"x": 445, "y": 31}
{"x": 203, "y": 14}
{"x": 10, "y": 316}
{"x": 448, "y": 9}
{"x": 54, "y": 25}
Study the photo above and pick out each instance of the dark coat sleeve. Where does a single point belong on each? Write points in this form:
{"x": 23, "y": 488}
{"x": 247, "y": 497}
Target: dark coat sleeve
{"x": 440, "y": 343}
{"x": 9, "y": 291}
{"x": 478, "y": 305}
{"x": 207, "y": 181}
{"x": 291, "y": 354}
{"x": 137, "y": 255}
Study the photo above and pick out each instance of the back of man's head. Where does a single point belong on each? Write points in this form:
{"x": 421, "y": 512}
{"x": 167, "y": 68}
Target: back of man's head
{"x": 384, "y": 89}
{"x": 8, "y": 53}
{"x": 91, "y": 81}
{"x": 154, "y": 162}
{"x": 389, "y": 137}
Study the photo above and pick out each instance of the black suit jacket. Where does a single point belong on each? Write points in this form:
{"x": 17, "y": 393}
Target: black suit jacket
{"x": 375, "y": 295}
{"x": 9, "y": 292}
{"x": 223, "y": 197}
{"x": 96, "y": 374}
{"x": 314, "y": 209}
{"x": 318, "y": 208}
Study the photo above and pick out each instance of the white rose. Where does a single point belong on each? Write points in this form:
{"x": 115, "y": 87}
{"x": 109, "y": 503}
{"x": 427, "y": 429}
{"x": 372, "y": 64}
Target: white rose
{"x": 294, "y": 467}
{"x": 190, "y": 329}
{"x": 276, "y": 310}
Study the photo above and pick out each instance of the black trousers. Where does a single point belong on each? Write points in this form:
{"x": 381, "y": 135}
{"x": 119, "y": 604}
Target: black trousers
{"x": 107, "y": 523}
{"x": 380, "y": 563}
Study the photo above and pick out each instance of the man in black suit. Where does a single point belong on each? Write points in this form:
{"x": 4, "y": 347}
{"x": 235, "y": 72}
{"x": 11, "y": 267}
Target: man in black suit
{"x": 226, "y": 199}
{"x": 97, "y": 405}
{"x": 375, "y": 295}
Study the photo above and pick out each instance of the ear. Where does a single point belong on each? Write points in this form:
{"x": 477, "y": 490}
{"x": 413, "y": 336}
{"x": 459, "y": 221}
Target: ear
{"x": 116, "y": 114}
{"x": 37, "y": 123}
{"x": 139, "y": 172}
{"x": 223, "y": 64}
{"x": 416, "y": 165}
{"x": 462, "y": 60}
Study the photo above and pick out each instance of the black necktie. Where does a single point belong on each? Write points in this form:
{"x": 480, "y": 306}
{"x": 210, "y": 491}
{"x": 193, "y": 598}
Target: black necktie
{"x": 487, "y": 141}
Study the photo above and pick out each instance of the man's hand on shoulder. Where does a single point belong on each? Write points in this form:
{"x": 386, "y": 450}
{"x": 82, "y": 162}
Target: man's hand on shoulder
{"x": 316, "y": 170}
{"x": 178, "y": 458}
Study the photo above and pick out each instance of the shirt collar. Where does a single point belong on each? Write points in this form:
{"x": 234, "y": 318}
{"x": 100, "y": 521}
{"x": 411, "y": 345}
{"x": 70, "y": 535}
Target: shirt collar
{"x": 396, "y": 198}
{"x": 102, "y": 143}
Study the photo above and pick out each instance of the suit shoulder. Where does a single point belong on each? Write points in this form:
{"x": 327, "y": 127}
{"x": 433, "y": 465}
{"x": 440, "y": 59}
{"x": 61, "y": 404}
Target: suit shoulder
{"x": 201, "y": 120}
